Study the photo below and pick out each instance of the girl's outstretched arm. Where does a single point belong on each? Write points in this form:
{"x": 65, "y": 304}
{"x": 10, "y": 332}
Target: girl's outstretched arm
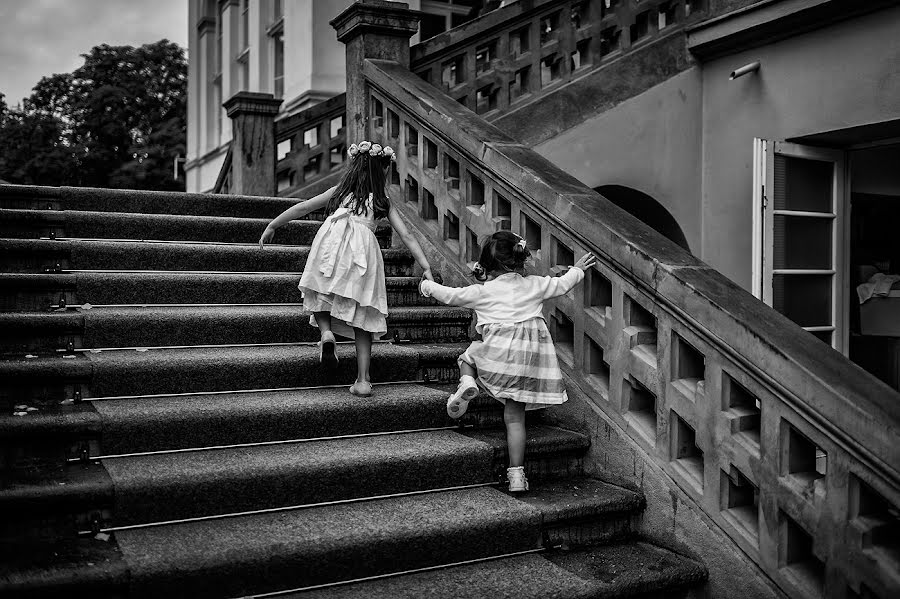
{"x": 556, "y": 286}
{"x": 296, "y": 211}
{"x": 410, "y": 241}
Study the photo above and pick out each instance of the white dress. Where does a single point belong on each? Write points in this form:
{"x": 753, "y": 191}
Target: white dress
{"x": 344, "y": 273}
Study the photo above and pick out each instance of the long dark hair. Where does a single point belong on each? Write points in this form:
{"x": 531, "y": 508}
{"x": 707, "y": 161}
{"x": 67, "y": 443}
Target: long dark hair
{"x": 502, "y": 252}
{"x": 365, "y": 175}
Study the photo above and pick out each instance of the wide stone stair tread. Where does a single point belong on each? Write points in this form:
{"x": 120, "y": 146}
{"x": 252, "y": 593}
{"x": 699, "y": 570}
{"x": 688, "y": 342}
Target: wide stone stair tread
{"x": 143, "y": 202}
{"x": 153, "y": 423}
{"x": 110, "y": 225}
{"x": 549, "y": 575}
{"x": 39, "y": 254}
{"x": 187, "y": 287}
{"x": 131, "y": 372}
{"x": 211, "y": 325}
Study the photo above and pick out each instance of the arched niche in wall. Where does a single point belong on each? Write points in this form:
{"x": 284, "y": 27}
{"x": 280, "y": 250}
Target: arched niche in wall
{"x": 646, "y": 209}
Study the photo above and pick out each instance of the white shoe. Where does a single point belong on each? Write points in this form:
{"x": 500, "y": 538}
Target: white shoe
{"x": 327, "y": 355}
{"x": 517, "y": 480}
{"x": 458, "y": 403}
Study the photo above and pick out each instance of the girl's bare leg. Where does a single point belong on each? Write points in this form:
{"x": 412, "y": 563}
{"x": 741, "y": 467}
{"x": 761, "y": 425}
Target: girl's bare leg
{"x": 466, "y": 369}
{"x": 363, "y": 354}
{"x": 514, "y": 417}
{"x": 323, "y": 320}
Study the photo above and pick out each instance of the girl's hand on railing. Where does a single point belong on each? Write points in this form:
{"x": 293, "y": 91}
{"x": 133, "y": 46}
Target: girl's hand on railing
{"x": 586, "y": 261}
{"x": 266, "y": 236}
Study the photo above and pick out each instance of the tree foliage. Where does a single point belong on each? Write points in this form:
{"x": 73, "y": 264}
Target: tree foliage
{"x": 117, "y": 121}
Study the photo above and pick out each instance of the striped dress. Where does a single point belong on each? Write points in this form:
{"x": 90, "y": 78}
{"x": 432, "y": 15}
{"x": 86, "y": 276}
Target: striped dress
{"x": 515, "y": 358}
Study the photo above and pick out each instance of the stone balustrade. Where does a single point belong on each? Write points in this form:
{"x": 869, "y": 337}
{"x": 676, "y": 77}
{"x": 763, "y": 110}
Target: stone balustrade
{"x": 787, "y": 446}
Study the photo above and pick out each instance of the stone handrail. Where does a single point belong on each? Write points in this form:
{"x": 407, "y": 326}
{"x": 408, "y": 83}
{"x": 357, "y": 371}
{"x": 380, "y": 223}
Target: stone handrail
{"x": 304, "y": 162}
{"x": 786, "y": 445}
{"x": 514, "y": 55}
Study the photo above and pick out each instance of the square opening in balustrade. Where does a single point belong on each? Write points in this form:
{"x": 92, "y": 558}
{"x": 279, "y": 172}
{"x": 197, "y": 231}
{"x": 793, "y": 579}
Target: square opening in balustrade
{"x": 283, "y": 148}
{"x": 425, "y": 75}
{"x": 336, "y": 126}
{"x": 312, "y": 167}
{"x": 453, "y": 71}
{"x": 464, "y": 100}
{"x": 429, "y": 209}
{"x": 797, "y": 558}
{"x": 608, "y": 6}
{"x": 412, "y": 142}
{"x": 595, "y": 367}
{"x": 377, "y": 113}
{"x": 878, "y": 520}
{"x": 475, "y": 195}
{"x": 641, "y": 26}
{"x": 551, "y": 69}
{"x": 395, "y": 174}
{"x": 744, "y": 410}
{"x": 688, "y": 366}
{"x": 311, "y": 137}
{"x": 336, "y": 156}
{"x": 549, "y": 27}
{"x": 563, "y": 256}
{"x": 484, "y": 56}
{"x": 451, "y": 226}
{"x": 412, "y": 189}
{"x": 580, "y": 14}
{"x": 609, "y": 40}
{"x": 531, "y": 231}
{"x": 285, "y": 181}
{"x": 667, "y": 14}
{"x": 431, "y": 153}
{"x": 740, "y": 502}
{"x": 564, "y": 336}
{"x": 473, "y": 250}
{"x": 486, "y": 98}
{"x": 581, "y": 57}
{"x": 692, "y": 6}
{"x": 502, "y": 212}
{"x": 393, "y": 124}
{"x": 684, "y": 451}
{"x": 598, "y": 293}
{"x": 643, "y": 325}
{"x": 519, "y": 85}
{"x": 640, "y": 409}
{"x": 520, "y": 41}
{"x": 451, "y": 173}
{"x": 801, "y": 458}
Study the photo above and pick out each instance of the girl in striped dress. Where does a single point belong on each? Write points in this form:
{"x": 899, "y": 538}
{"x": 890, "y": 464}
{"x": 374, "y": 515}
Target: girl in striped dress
{"x": 515, "y": 362}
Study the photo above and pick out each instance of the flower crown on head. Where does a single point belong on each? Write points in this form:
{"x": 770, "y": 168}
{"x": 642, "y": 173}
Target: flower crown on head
{"x": 372, "y": 149}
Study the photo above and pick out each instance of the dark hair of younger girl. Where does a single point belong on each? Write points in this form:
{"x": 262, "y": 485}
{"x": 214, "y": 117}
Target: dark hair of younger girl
{"x": 500, "y": 254}
{"x": 365, "y": 174}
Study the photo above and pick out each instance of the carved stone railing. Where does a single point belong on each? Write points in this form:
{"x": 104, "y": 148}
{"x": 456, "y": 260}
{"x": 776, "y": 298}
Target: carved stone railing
{"x": 787, "y": 446}
{"x": 523, "y": 51}
{"x": 310, "y": 145}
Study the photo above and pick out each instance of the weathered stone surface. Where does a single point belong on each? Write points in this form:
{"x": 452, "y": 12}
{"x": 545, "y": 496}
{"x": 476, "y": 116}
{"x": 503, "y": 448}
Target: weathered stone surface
{"x": 252, "y": 117}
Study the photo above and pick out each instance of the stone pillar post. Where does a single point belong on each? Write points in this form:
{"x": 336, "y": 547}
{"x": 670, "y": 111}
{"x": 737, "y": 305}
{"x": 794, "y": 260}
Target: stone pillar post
{"x": 371, "y": 29}
{"x": 253, "y": 142}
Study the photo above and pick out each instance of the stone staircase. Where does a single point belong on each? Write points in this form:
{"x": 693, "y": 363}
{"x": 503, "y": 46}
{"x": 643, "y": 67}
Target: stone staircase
{"x": 166, "y": 429}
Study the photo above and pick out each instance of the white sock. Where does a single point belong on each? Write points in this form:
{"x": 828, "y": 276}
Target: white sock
{"x": 467, "y": 380}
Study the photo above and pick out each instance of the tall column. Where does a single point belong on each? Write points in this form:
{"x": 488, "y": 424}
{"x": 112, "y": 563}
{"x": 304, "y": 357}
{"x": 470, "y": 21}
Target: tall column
{"x": 375, "y": 29}
{"x": 253, "y": 142}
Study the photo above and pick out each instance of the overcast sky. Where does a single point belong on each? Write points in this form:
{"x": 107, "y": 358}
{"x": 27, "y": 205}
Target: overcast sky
{"x": 42, "y": 37}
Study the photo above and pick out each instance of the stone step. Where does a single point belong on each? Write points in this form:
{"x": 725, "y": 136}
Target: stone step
{"x": 30, "y": 291}
{"x": 207, "y": 325}
{"x": 30, "y": 197}
{"x": 275, "y": 551}
{"x": 42, "y": 255}
{"x": 33, "y": 224}
{"x": 634, "y": 570}
{"x": 49, "y": 378}
{"x": 54, "y": 433}
{"x": 160, "y": 487}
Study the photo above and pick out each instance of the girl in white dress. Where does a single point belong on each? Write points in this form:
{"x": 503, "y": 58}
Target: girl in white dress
{"x": 343, "y": 283}
{"x": 515, "y": 362}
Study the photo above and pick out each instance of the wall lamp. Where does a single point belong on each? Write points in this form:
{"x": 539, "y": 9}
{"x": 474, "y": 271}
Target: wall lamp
{"x": 744, "y": 70}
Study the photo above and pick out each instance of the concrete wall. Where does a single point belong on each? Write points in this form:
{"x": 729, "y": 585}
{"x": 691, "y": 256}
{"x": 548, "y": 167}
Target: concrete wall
{"x": 651, "y": 143}
{"x": 840, "y": 76}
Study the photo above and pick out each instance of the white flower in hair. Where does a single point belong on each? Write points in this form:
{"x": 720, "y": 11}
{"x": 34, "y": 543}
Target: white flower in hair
{"x": 389, "y": 151}
{"x": 521, "y": 243}
{"x": 364, "y": 146}
{"x": 353, "y": 150}
{"x": 376, "y": 150}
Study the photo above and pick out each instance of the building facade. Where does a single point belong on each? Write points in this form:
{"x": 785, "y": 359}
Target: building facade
{"x": 283, "y": 47}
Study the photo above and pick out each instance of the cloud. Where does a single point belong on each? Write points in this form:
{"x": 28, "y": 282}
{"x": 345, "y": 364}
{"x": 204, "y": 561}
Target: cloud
{"x": 42, "y": 37}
